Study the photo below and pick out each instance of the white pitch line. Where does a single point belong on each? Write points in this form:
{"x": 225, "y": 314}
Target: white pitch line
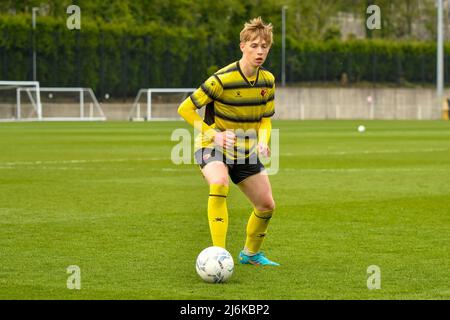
{"x": 290, "y": 154}
{"x": 179, "y": 169}
{"x": 32, "y": 163}
{"x": 367, "y": 169}
{"x": 185, "y": 169}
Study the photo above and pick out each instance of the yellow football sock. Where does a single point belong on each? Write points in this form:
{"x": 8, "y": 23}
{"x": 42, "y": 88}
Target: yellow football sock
{"x": 256, "y": 230}
{"x": 218, "y": 214}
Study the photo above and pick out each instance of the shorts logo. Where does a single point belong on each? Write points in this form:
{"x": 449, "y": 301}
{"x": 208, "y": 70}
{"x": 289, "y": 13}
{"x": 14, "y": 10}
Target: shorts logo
{"x": 206, "y": 156}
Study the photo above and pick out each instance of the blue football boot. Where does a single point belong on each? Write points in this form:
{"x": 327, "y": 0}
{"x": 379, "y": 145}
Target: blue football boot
{"x": 258, "y": 259}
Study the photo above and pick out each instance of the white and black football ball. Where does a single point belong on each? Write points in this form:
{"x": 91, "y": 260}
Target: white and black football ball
{"x": 215, "y": 265}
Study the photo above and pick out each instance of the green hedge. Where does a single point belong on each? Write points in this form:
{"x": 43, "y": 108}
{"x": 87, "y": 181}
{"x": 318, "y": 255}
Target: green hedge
{"x": 109, "y": 58}
{"x": 369, "y": 60}
{"x": 119, "y": 59}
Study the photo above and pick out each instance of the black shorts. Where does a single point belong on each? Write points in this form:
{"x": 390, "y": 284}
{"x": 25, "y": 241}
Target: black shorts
{"x": 238, "y": 171}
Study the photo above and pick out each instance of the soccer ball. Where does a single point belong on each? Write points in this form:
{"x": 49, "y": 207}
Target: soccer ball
{"x": 361, "y": 128}
{"x": 214, "y": 265}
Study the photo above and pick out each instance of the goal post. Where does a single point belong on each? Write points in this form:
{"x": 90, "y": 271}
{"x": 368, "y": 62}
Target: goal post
{"x": 67, "y": 104}
{"x": 11, "y": 102}
{"x": 153, "y": 104}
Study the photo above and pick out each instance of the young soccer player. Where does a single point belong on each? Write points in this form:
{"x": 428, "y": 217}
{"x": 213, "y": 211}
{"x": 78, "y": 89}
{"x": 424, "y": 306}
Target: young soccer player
{"x": 239, "y": 102}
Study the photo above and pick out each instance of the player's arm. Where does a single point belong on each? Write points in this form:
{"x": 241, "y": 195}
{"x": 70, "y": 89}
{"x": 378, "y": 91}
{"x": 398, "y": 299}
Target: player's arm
{"x": 188, "y": 111}
{"x": 264, "y": 137}
{"x": 265, "y": 126}
{"x": 264, "y": 131}
{"x": 210, "y": 90}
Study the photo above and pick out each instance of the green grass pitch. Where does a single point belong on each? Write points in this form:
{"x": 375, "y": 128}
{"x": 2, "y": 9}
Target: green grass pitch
{"x": 107, "y": 198}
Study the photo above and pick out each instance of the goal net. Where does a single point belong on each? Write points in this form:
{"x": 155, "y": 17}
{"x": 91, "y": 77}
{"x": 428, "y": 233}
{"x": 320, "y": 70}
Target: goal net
{"x": 66, "y": 104}
{"x": 16, "y": 106}
{"x": 158, "y": 104}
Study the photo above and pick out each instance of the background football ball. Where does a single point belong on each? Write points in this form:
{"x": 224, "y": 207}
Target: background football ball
{"x": 215, "y": 265}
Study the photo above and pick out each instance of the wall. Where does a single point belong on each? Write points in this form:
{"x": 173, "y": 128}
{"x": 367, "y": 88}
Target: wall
{"x": 297, "y": 103}
{"x": 348, "y": 103}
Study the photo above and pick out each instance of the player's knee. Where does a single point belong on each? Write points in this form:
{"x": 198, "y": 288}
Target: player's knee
{"x": 266, "y": 205}
{"x": 219, "y": 180}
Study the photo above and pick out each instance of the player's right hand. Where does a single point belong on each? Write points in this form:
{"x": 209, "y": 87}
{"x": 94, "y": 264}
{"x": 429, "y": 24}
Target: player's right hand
{"x": 225, "y": 139}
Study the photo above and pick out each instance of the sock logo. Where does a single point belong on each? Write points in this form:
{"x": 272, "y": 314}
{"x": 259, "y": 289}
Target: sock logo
{"x": 261, "y": 235}
{"x": 218, "y": 219}
{"x": 206, "y": 156}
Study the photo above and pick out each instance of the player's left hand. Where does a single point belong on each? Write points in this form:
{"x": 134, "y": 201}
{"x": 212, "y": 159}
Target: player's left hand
{"x": 264, "y": 150}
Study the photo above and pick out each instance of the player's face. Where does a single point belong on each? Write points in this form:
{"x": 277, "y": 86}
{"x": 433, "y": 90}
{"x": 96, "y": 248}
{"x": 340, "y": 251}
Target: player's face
{"x": 255, "y": 51}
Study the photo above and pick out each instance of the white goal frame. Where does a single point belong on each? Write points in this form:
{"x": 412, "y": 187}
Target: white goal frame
{"x": 81, "y": 91}
{"x": 26, "y": 85}
{"x": 136, "y": 108}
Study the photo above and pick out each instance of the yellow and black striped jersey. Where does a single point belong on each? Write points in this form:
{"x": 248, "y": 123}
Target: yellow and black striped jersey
{"x": 234, "y": 102}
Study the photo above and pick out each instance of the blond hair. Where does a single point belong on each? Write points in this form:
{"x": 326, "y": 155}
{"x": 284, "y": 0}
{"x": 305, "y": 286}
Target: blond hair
{"x": 256, "y": 28}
